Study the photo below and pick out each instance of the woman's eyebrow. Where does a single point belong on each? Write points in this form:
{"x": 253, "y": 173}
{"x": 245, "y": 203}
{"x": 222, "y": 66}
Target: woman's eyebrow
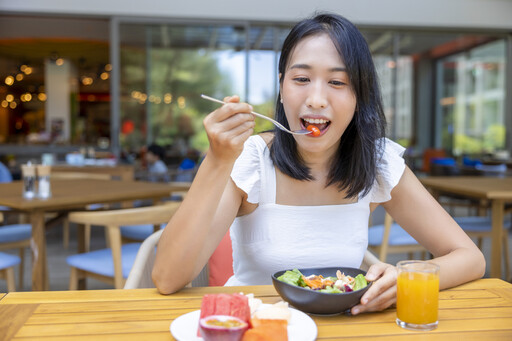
{"x": 308, "y": 67}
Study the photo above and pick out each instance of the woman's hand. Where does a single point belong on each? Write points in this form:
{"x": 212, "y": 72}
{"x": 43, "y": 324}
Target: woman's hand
{"x": 382, "y": 293}
{"x": 228, "y": 128}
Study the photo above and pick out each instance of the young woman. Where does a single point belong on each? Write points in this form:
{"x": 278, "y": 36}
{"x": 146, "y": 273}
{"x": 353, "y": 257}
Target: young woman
{"x": 304, "y": 201}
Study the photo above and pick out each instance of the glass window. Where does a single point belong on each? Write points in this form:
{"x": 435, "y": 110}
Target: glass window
{"x": 473, "y": 99}
{"x": 164, "y": 70}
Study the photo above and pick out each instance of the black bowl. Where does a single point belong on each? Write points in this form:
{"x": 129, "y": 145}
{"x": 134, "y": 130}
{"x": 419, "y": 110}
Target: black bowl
{"x": 315, "y": 302}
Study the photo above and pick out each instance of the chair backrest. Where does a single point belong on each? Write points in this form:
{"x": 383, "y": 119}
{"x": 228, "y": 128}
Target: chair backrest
{"x": 140, "y": 274}
{"x": 114, "y": 219}
{"x": 389, "y": 237}
{"x": 368, "y": 260}
{"x": 428, "y": 155}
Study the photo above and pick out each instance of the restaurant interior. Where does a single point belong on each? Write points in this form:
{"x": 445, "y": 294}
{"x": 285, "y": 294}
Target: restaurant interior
{"x": 86, "y": 94}
{"x": 443, "y": 90}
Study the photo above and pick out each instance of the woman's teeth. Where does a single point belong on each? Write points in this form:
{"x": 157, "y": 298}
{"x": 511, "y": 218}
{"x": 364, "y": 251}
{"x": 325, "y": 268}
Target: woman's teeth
{"x": 315, "y": 120}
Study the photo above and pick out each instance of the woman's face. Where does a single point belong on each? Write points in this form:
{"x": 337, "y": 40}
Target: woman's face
{"x": 316, "y": 91}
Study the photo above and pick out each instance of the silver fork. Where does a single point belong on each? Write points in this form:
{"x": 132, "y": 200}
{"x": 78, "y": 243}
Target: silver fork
{"x": 277, "y": 124}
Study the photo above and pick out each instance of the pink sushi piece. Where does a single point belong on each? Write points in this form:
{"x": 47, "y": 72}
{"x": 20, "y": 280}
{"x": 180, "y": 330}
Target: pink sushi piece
{"x": 222, "y": 328}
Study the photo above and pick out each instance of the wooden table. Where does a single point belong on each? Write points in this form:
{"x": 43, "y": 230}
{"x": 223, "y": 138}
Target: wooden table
{"x": 123, "y": 172}
{"x": 72, "y": 195}
{"x": 497, "y": 190}
{"x": 480, "y": 310}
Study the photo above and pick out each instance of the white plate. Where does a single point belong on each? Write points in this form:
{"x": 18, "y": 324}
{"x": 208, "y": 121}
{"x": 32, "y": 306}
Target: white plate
{"x": 300, "y": 328}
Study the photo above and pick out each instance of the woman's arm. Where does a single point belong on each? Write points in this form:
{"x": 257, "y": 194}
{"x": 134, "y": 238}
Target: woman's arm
{"x": 210, "y": 205}
{"x": 417, "y": 212}
{"x": 413, "y": 208}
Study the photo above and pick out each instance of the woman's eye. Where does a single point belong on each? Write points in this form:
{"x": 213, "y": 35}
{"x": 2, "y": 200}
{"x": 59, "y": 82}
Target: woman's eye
{"x": 301, "y": 79}
{"x": 337, "y": 83}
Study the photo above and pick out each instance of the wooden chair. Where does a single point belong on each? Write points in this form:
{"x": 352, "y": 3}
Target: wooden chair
{"x": 16, "y": 236}
{"x": 7, "y": 263}
{"x": 389, "y": 237}
{"x": 113, "y": 265}
{"x": 368, "y": 260}
{"x": 65, "y": 222}
{"x": 140, "y": 274}
{"x": 13, "y": 236}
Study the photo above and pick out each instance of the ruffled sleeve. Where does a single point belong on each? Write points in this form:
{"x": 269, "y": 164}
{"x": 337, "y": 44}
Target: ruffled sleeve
{"x": 389, "y": 171}
{"x": 247, "y": 170}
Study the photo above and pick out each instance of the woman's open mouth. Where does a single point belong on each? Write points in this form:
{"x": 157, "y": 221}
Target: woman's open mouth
{"x": 321, "y": 124}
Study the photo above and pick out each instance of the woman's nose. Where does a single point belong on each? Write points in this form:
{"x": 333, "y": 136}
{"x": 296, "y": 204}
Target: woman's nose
{"x": 316, "y": 98}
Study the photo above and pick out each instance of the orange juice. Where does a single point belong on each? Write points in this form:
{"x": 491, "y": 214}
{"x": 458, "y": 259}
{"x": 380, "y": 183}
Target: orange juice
{"x": 417, "y": 297}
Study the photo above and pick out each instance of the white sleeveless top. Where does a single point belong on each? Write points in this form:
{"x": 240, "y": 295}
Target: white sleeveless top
{"x": 277, "y": 237}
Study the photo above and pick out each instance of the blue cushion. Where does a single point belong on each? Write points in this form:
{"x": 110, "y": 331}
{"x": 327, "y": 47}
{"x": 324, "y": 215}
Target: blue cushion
{"x": 5, "y": 174}
{"x": 476, "y": 224}
{"x": 101, "y": 262}
{"x": 444, "y": 161}
{"x": 15, "y": 233}
{"x": 92, "y": 207}
{"x": 7, "y": 260}
{"x": 138, "y": 232}
{"x": 397, "y": 236}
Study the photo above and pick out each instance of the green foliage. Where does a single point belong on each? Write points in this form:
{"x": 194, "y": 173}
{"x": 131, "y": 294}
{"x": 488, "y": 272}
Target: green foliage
{"x": 182, "y": 73}
{"x": 266, "y": 109}
{"x": 466, "y": 144}
{"x": 493, "y": 139}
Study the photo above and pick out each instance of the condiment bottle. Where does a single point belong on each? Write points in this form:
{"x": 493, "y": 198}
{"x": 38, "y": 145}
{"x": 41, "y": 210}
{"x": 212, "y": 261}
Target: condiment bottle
{"x": 29, "y": 180}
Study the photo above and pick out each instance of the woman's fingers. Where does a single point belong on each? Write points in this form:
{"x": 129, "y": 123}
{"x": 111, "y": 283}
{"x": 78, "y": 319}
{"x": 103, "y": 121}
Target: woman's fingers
{"x": 228, "y": 128}
{"x": 378, "y": 303}
{"x": 382, "y": 293}
{"x": 229, "y": 109}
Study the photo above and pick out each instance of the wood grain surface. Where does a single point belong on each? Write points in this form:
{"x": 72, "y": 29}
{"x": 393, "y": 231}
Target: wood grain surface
{"x": 479, "y": 310}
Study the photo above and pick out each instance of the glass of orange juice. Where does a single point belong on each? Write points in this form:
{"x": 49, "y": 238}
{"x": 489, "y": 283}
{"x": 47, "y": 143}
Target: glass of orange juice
{"x": 417, "y": 297}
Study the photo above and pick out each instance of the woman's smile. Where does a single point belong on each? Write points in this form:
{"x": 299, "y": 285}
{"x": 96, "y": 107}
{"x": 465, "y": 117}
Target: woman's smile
{"x": 321, "y": 123}
{"x": 316, "y": 91}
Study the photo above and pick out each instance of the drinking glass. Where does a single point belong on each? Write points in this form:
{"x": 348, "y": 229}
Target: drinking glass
{"x": 28, "y": 172}
{"x": 417, "y": 298}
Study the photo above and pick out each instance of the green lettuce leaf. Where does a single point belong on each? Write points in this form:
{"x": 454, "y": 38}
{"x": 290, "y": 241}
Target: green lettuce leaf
{"x": 293, "y": 277}
{"x": 359, "y": 282}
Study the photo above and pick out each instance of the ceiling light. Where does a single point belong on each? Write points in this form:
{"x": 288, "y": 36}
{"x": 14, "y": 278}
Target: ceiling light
{"x": 9, "y": 80}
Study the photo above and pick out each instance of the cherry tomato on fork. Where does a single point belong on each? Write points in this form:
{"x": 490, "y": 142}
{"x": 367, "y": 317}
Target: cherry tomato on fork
{"x": 314, "y": 130}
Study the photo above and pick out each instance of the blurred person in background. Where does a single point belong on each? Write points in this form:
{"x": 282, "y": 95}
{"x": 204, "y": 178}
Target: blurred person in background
{"x": 157, "y": 169}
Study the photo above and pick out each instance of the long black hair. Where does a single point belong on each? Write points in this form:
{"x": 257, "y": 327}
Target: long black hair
{"x": 353, "y": 168}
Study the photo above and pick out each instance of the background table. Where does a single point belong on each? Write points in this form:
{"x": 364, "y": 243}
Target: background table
{"x": 481, "y": 310}
{"x": 123, "y": 172}
{"x": 497, "y": 190}
{"x": 72, "y": 195}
